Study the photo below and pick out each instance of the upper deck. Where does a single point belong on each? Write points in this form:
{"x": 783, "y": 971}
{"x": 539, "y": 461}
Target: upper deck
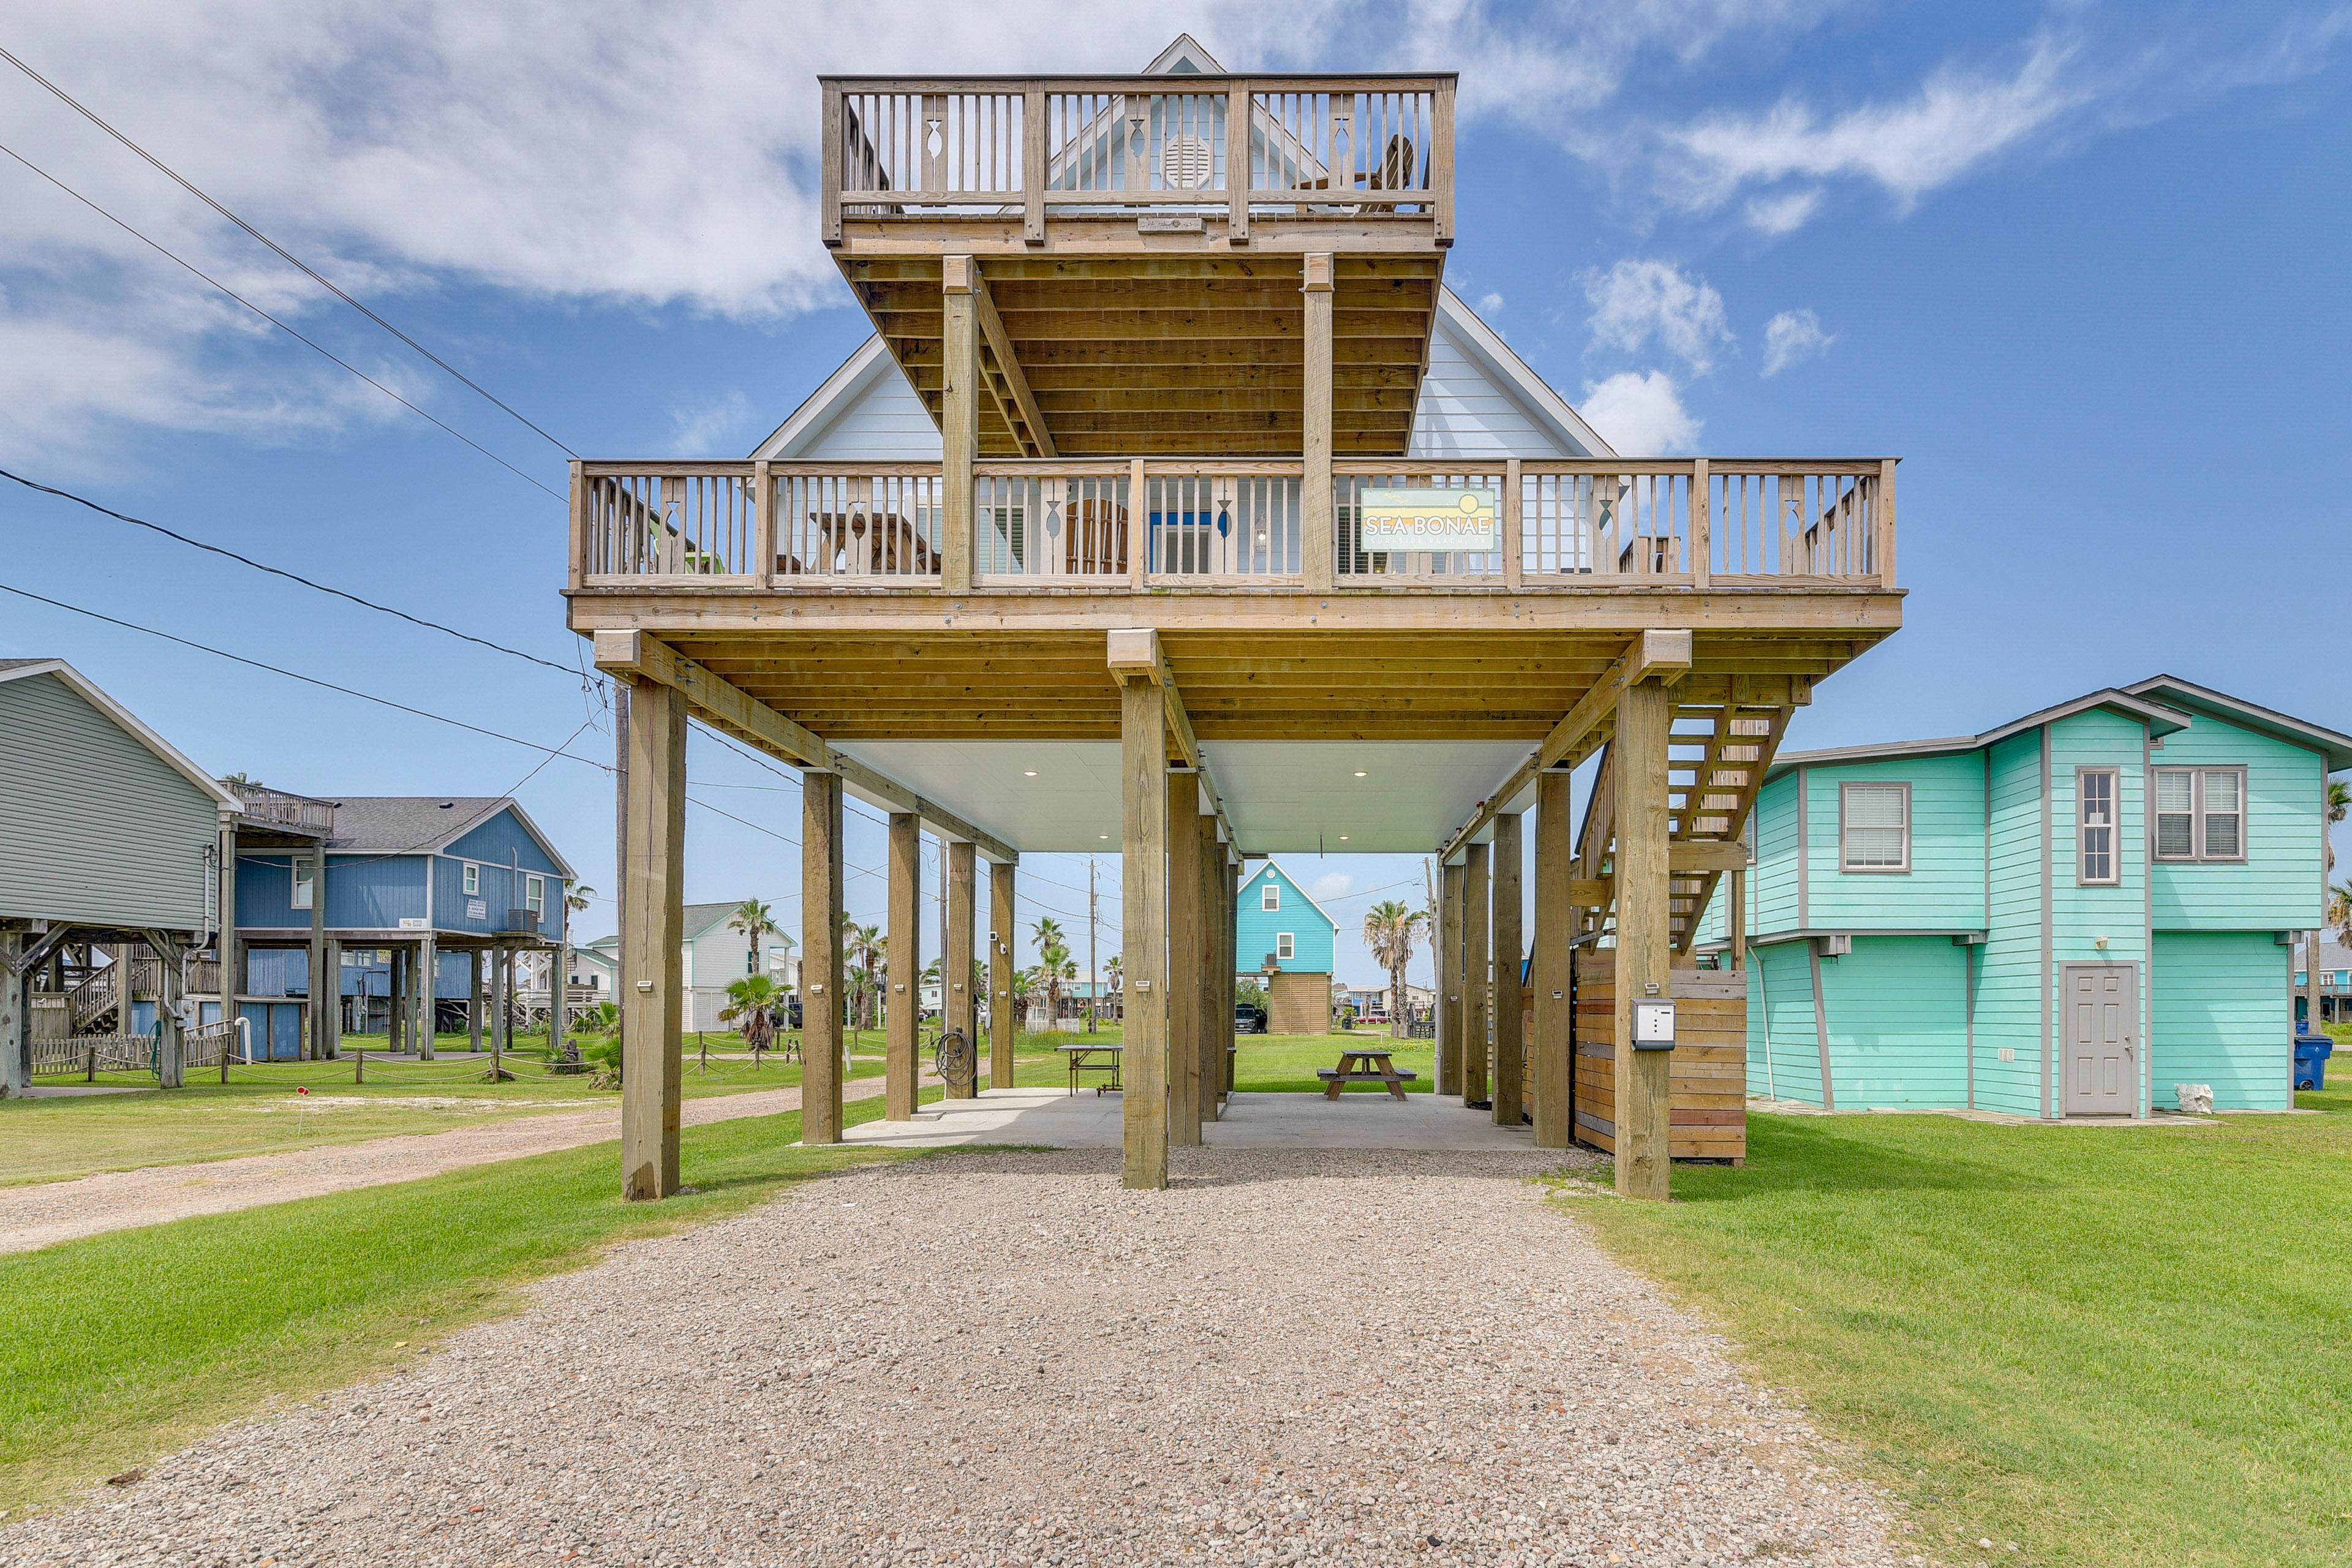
{"x": 1060, "y": 165}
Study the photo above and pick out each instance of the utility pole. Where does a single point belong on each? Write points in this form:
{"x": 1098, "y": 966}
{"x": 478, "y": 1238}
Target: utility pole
{"x": 1094, "y": 973}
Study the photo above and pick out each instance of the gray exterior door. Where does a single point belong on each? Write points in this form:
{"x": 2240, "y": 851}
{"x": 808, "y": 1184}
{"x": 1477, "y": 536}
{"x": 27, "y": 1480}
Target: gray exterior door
{"x": 2101, "y": 1018}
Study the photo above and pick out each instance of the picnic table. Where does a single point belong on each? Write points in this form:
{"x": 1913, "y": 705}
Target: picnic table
{"x": 1084, "y": 1058}
{"x": 1364, "y": 1066}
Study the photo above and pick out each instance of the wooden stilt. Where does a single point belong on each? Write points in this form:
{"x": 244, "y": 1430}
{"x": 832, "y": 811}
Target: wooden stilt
{"x": 652, "y": 978}
{"x": 474, "y": 1000}
{"x": 820, "y": 870}
{"x": 1143, "y": 846}
{"x": 321, "y": 993}
{"x": 1315, "y": 517}
{"x": 1217, "y": 1019}
{"x": 428, "y": 964}
{"x": 1003, "y": 1024}
{"x": 1446, "y": 1015}
{"x": 1477, "y": 974}
{"x": 1736, "y": 920}
{"x": 955, "y": 963}
{"x": 1508, "y": 904}
{"x": 1551, "y": 1053}
{"x": 15, "y": 1025}
{"x": 904, "y": 1001}
{"x": 958, "y": 420}
{"x": 1185, "y": 946}
{"x": 334, "y": 983}
{"x": 1645, "y": 937}
{"x": 230, "y": 950}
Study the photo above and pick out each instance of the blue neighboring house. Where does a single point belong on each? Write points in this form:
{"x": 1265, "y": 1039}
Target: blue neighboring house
{"x": 414, "y": 884}
{"x": 2065, "y": 916}
{"x": 1283, "y": 937}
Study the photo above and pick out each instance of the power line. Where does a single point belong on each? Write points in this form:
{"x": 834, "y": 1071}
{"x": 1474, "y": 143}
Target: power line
{"x": 273, "y": 320}
{"x": 290, "y": 576}
{"x": 288, "y": 256}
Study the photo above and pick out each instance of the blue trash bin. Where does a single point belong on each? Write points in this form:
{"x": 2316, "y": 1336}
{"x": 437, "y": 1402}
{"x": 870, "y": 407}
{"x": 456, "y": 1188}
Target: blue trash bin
{"x": 2311, "y": 1054}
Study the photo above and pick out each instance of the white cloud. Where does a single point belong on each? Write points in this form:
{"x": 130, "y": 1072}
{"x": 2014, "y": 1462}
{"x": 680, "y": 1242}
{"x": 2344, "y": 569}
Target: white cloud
{"x": 1332, "y": 885}
{"x": 1792, "y": 338}
{"x": 1636, "y": 300}
{"x": 1785, "y": 213}
{"x": 706, "y": 429}
{"x": 1489, "y": 303}
{"x": 1640, "y": 413}
{"x": 1955, "y": 121}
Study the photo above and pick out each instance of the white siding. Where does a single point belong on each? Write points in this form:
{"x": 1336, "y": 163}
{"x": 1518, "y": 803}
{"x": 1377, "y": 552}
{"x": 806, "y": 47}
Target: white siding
{"x": 1464, "y": 412}
{"x": 882, "y": 420}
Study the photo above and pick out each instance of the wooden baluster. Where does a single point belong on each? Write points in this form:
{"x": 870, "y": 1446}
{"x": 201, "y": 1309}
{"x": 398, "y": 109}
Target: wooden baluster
{"x": 1702, "y": 530}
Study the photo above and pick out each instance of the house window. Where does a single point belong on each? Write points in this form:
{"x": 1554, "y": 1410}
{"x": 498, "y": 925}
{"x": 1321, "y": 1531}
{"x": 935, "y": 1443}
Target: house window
{"x": 473, "y": 880}
{"x": 2095, "y": 797}
{"x": 1874, "y": 827}
{"x": 1270, "y": 896}
{"x": 2201, "y": 814}
{"x": 1286, "y": 945}
{"x": 535, "y": 897}
{"x": 305, "y": 890}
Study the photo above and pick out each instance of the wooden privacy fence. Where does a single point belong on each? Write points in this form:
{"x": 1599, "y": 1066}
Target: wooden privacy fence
{"x": 1318, "y": 148}
{"x": 1708, "y": 1113}
{"x": 1667, "y": 522}
{"x": 87, "y": 1056}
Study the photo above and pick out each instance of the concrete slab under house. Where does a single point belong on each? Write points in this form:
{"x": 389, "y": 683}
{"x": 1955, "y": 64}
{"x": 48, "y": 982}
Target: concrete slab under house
{"x": 2070, "y": 915}
{"x": 1177, "y": 505}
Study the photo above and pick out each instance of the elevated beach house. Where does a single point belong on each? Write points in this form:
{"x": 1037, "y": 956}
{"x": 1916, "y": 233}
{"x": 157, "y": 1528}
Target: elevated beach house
{"x": 1284, "y": 937}
{"x": 2065, "y": 916}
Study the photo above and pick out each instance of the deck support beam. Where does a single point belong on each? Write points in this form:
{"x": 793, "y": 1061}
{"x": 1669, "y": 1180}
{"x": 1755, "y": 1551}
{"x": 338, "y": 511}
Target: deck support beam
{"x": 957, "y": 1010}
{"x": 820, "y": 870}
{"x": 1446, "y": 1015}
{"x": 1143, "y": 877}
{"x": 905, "y": 961}
{"x": 1315, "y": 542}
{"x": 1014, "y": 402}
{"x": 1645, "y": 936}
{"x": 1477, "y": 971}
{"x": 958, "y": 420}
{"x": 1510, "y": 1087}
{"x": 1184, "y": 967}
{"x": 1552, "y": 1052}
{"x": 652, "y": 978}
{"x": 1002, "y": 1022}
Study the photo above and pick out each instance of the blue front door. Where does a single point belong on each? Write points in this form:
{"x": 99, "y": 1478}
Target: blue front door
{"x": 285, "y": 1032}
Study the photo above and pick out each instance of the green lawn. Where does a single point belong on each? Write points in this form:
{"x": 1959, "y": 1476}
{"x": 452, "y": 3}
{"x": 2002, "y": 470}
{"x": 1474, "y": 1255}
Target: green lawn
{"x": 122, "y": 1346}
{"x": 260, "y": 1110}
{"x": 2112, "y": 1346}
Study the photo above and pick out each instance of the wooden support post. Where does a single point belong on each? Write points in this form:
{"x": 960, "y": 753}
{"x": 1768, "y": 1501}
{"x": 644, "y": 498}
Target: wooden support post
{"x": 959, "y": 421}
{"x": 956, "y": 999}
{"x": 1143, "y": 848}
{"x": 1316, "y": 518}
{"x": 15, "y": 1028}
{"x": 1216, "y": 1017}
{"x": 474, "y": 1001}
{"x": 231, "y": 952}
{"x": 1551, "y": 1055}
{"x": 1736, "y": 919}
{"x": 1002, "y": 1023}
{"x": 1477, "y": 974}
{"x": 1237, "y": 165}
{"x": 1515, "y": 551}
{"x": 1644, "y": 939}
{"x": 652, "y": 976}
{"x": 334, "y": 997}
{"x": 1184, "y": 978}
{"x": 904, "y": 1000}
{"x": 821, "y": 957}
{"x": 171, "y": 1044}
{"x": 321, "y": 993}
{"x": 1228, "y": 937}
{"x": 1446, "y": 1015}
{"x": 1509, "y": 1093}
{"x": 1033, "y": 163}
{"x": 428, "y": 964}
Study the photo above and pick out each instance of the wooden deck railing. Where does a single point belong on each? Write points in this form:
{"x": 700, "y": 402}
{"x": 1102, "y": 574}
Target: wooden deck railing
{"x": 1318, "y": 147}
{"x": 1668, "y": 522}
{"x": 264, "y": 805}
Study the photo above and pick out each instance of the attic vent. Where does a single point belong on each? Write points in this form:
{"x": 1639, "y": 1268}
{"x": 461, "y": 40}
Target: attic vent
{"x": 447, "y": 804}
{"x": 1184, "y": 163}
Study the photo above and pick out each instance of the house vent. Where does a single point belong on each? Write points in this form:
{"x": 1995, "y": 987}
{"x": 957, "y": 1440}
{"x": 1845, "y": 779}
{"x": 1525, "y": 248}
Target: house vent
{"x": 1184, "y": 163}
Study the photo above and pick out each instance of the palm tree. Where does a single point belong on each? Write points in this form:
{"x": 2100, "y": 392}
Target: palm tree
{"x": 748, "y": 999}
{"x": 1390, "y": 927}
{"x": 753, "y": 918}
{"x": 1053, "y": 961}
{"x": 861, "y": 947}
{"x": 2339, "y": 912}
{"x": 2340, "y": 805}
{"x": 577, "y": 896}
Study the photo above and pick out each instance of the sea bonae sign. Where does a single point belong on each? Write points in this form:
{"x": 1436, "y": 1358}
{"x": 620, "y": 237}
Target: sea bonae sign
{"x": 1434, "y": 520}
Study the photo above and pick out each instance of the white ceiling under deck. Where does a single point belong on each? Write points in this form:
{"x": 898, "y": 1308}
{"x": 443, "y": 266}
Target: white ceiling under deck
{"x": 1282, "y": 796}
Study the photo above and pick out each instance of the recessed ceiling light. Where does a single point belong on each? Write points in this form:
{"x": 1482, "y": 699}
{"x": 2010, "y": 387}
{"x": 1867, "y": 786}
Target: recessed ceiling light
{"x": 1359, "y": 773}
{"x": 1343, "y": 838}
{"x": 1102, "y": 836}
{"x": 1029, "y": 773}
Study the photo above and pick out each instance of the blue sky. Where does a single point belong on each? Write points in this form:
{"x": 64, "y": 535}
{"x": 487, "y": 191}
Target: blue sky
{"x": 2080, "y": 265}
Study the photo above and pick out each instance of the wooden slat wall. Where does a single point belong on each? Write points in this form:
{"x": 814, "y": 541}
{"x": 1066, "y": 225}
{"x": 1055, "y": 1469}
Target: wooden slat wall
{"x": 1710, "y": 1071}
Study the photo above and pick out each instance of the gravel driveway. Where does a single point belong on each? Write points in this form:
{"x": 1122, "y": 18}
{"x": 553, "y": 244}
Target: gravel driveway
{"x": 1372, "y": 1357}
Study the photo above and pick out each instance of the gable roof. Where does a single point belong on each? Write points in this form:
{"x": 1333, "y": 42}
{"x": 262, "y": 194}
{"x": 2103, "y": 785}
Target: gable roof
{"x": 2159, "y": 720}
{"x": 425, "y": 824}
{"x": 700, "y": 919}
{"x": 1290, "y": 879}
{"x": 129, "y": 722}
{"x": 2175, "y": 692}
{"x": 1486, "y": 349}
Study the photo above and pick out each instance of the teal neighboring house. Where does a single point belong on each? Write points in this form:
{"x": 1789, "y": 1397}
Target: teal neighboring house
{"x": 2066, "y": 916}
{"x": 1282, "y": 934}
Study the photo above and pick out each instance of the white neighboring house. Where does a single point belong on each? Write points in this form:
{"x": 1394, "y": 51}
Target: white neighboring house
{"x": 714, "y": 956}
